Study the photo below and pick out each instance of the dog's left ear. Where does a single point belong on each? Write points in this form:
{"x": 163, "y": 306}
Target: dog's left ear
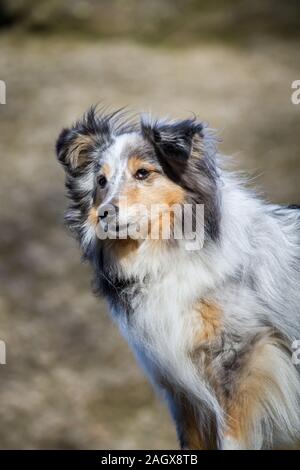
{"x": 178, "y": 140}
{"x": 73, "y": 149}
{"x": 74, "y": 146}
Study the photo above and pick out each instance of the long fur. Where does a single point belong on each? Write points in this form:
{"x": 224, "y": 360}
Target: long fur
{"x": 212, "y": 328}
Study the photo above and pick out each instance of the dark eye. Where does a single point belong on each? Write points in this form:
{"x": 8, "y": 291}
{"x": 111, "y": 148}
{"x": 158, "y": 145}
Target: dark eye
{"x": 102, "y": 181}
{"x": 142, "y": 174}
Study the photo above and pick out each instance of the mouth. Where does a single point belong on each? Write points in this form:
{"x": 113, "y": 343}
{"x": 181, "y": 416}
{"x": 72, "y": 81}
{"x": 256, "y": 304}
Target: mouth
{"x": 115, "y": 229}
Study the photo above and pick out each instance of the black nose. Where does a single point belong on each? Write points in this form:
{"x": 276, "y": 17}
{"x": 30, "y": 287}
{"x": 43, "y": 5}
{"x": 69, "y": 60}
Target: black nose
{"x": 104, "y": 215}
{"x": 108, "y": 211}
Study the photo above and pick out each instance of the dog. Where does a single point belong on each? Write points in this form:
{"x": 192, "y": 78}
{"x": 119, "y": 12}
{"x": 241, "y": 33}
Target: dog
{"x": 213, "y": 327}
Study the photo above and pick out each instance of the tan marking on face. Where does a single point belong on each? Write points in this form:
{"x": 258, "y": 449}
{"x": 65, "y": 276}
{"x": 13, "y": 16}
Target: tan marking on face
{"x": 106, "y": 170}
{"x": 135, "y": 163}
{"x": 93, "y": 216}
{"x": 169, "y": 193}
{"x": 154, "y": 191}
{"x": 79, "y": 149}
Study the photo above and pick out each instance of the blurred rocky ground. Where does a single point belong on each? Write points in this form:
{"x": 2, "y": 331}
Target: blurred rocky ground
{"x": 70, "y": 380}
{"x": 158, "y": 21}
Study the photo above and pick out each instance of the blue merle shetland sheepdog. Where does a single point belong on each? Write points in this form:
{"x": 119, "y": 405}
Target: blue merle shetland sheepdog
{"x": 213, "y": 327}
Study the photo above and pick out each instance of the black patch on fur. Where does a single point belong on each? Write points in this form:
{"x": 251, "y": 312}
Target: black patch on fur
{"x": 172, "y": 139}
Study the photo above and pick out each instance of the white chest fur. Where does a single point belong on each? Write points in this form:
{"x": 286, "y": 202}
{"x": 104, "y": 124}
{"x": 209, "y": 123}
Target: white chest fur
{"x": 161, "y": 329}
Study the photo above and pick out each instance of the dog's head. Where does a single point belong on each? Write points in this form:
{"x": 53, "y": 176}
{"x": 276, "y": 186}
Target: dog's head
{"x": 125, "y": 176}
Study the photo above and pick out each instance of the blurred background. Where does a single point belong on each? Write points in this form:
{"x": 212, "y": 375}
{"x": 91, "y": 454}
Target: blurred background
{"x": 70, "y": 381}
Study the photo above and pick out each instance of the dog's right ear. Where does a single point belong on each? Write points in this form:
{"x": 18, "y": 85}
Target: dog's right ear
{"x": 73, "y": 148}
{"x": 173, "y": 141}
